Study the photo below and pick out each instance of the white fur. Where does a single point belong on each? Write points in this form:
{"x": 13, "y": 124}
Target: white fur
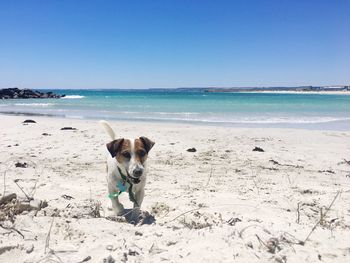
{"x": 108, "y": 129}
{"x": 113, "y": 175}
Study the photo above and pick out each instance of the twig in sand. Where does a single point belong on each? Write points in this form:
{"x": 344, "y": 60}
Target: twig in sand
{"x": 184, "y": 213}
{"x": 324, "y": 214}
{"x": 211, "y": 173}
{"x": 85, "y": 259}
{"x": 28, "y": 197}
{"x": 37, "y": 174}
{"x": 47, "y": 241}
{"x": 298, "y": 213}
{"x": 290, "y": 182}
{"x": 240, "y": 233}
{"x": 205, "y": 207}
{"x": 321, "y": 217}
{"x": 256, "y": 185}
{"x": 9, "y": 163}
{"x": 4, "y": 183}
{"x": 261, "y": 241}
{"x": 48, "y": 258}
{"x": 13, "y": 229}
{"x": 271, "y": 245}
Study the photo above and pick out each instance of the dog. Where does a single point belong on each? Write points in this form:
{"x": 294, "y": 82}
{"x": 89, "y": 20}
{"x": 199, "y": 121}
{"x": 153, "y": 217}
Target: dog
{"x": 126, "y": 168}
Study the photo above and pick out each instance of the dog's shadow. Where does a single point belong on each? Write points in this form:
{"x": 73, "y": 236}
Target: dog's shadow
{"x": 138, "y": 217}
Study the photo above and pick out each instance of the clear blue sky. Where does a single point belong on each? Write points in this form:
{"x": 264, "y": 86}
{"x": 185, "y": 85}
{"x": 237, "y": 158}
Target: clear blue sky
{"x": 160, "y": 43}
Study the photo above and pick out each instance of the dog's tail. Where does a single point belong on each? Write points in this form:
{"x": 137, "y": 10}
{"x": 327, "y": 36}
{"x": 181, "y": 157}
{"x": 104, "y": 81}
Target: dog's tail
{"x": 108, "y": 129}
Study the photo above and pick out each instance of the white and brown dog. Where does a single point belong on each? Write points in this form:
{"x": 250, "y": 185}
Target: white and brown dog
{"x": 126, "y": 163}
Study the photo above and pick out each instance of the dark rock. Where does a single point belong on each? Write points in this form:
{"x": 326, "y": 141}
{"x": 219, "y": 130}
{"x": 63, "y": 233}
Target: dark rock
{"x": 88, "y": 258}
{"x": 21, "y": 165}
{"x": 191, "y": 150}
{"x": 44, "y": 204}
{"x": 274, "y": 162}
{"x": 258, "y": 149}
{"x": 46, "y": 134}
{"x": 16, "y": 93}
{"x": 138, "y": 233}
{"x": 7, "y": 198}
{"x": 233, "y": 221}
{"x": 29, "y": 121}
{"x": 68, "y": 128}
{"x": 29, "y": 248}
{"x": 133, "y": 253}
{"x": 326, "y": 171}
{"x": 110, "y": 259}
{"x": 68, "y": 197}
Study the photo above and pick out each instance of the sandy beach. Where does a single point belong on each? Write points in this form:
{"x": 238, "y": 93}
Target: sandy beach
{"x": 222, "y": 203}
{"x": 323, "y": 92}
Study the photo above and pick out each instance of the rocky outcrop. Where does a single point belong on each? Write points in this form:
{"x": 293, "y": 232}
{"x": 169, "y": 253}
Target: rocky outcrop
{"x": 16, "y": 93}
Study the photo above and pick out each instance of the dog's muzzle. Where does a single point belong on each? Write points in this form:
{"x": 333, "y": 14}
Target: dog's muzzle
{"x": 136, "y": 175}
{"x": 134, "y": 180}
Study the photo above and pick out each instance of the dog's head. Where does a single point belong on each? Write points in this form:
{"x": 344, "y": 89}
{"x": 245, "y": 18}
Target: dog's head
{"x": 131, "y": 154}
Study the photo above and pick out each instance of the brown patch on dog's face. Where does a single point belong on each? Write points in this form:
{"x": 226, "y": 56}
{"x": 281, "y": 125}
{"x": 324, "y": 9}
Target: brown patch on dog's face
{"x": 142, "y": 146}
{"x": 121, "y": 149}
{"x": 125, "y": 153}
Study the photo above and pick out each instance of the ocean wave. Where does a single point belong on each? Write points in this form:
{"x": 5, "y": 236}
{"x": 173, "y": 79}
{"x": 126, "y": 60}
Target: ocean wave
{"x": 34, "y": 104}
{"x": 267, "y": 121}
{"x": 75, "y": 116}
{"x": 151, "y": 112}
{"x": 73, "y": 97}
{"x": 289, "y": 120}
{"x": 175, "y": 113}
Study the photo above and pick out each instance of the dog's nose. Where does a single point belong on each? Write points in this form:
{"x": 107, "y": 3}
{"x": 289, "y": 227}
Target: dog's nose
{"x": 137, "y": 172}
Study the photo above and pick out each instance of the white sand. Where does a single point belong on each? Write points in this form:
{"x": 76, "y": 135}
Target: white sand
{"x": 323, "y": 92}
{"x": 236, "y": 204}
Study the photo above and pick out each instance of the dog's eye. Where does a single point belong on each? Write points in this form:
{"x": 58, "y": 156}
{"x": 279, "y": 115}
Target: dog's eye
{"x": 126, "y": 155}
{"x": 142, "y": 153}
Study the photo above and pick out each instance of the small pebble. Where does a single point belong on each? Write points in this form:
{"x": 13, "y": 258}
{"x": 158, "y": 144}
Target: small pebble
{"x": 109, "y": 247}
{"x": 30, "y": 248}
{"x": 191, "y": 150}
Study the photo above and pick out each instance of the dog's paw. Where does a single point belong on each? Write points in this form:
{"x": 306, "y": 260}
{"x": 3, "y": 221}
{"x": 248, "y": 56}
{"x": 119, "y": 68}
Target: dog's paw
{"x": 119, "y": 211}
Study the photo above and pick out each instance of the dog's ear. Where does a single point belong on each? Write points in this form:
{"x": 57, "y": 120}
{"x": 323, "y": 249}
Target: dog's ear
{"x": 147, "y": 143}
{"x": 114, "y": 146}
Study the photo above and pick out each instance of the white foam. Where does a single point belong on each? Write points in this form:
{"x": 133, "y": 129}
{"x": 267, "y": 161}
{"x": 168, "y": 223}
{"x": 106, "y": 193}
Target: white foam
{"x": 73, "y": 97}
{"x": 247, "y": 120}
{"x": 75, "y": 117}
{"x": 34, "y": 104}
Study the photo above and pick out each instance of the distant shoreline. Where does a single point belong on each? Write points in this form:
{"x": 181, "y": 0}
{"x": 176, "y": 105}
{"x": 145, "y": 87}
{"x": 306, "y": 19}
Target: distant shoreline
{"x": 347, "y": 92}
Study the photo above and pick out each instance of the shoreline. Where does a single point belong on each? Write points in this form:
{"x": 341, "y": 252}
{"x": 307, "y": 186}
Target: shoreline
{"x": 337, "y": 125}
{"x": 205, "y": 90}
{"x": 288, "y": 92}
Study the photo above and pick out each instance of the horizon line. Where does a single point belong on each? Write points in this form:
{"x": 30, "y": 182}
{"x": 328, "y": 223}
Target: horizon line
{"x": 184, "y": 87}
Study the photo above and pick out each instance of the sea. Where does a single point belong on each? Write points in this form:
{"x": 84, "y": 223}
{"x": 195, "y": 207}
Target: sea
{"x": 238, "y": 109}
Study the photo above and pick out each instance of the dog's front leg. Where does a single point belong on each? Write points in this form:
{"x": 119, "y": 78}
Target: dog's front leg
{"x": 136, "y": 211}
{"x": 139, "y": 198}
{"x": 118, "y": 208}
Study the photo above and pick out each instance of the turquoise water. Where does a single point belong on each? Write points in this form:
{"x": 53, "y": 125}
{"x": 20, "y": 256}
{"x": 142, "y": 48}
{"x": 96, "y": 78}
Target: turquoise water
{"x": 237, "y": 109}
